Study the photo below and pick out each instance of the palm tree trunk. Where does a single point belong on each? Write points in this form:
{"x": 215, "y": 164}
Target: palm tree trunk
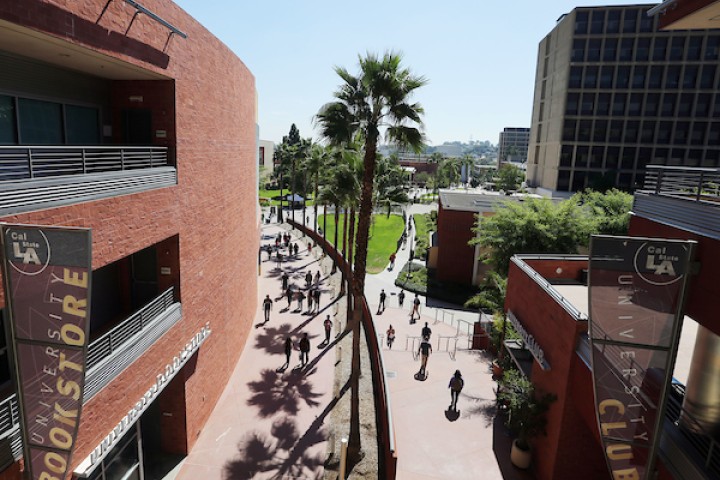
{"x": 344, "y": 252}
{"x": 350, "y": 298}
{"x": 337, "y": 221}
{"x": 325, "y": 222}
{"x": 292, "y": 188}
{"x": 315, "y": 204}
{"x": 280, "y": 215}
{"x": 304, "y": 200}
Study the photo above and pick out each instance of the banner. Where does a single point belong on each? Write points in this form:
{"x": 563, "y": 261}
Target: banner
{"x": 47, "y": 291}
{"x": 637, "y": 292}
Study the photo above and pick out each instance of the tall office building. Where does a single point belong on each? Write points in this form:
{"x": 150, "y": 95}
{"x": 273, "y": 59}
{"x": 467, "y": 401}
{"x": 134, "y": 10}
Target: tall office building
{"x": 513, "y": 145}
{"x": 614, "y": 94}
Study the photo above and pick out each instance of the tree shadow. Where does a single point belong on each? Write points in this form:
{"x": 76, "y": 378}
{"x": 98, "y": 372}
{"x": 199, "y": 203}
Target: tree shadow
{"x": 484, "y": 408}
{"x": 275, "y": 392}
{"x": 272, "y": 339}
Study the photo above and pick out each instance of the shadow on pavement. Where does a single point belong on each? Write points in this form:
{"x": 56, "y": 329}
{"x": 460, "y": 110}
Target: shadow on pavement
{"x": 276, "y": 392}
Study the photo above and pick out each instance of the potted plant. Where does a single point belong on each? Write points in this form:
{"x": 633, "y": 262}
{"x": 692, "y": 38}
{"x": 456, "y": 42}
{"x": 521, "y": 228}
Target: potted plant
{"x": 526, "y": 413}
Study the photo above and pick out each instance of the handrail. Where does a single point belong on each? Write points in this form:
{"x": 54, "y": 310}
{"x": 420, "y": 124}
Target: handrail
{"x": 698, "y": 184}
{"x": 24, "y": 162}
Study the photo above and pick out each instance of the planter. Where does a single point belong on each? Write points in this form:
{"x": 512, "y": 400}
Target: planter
{"x": 497, "y": 370}
{"x": 520, "y": 457}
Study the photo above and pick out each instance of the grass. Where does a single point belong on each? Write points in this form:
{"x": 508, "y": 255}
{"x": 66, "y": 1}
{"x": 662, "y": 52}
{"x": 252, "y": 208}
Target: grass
{"x": 413, "y": 277}
{"x": 421, "y": 234}
{"x": 384, "y": 235}
{"x": 271, "y": 197}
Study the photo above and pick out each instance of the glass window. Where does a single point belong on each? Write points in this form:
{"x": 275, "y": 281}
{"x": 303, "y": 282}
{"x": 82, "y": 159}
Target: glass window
{"x": 677, "y": 47}
{"x": 657, "y": 73}
{"x": 647, "y": 24}
{"x": 697, "y": 137}
{"x": 659, "y": 48}
{"x": 591, "y": 77}
{"x": 578, "y": 51}
{"x": 716, "y": 106}
{"x": 596, "y": 157}
{"x": 606, "y": 76}
{"x": 642, "y": 52}
{"x": 625, "y": 181}
{"x": 639, "y": 75}
{"x": 569, "y": 130}
{"x": 626, "y": 49}
{"x": 600, "y": 131}
{"x": 585, "y": 127}
{"x": 594, "y": 48}
{"x": 711, "y": 158}
{"x": 632, "y": 128}
{"x": 610, "y": 50}
{"x": 566, "y": 156}
{"x": 664, "y": 131}
{"x": 571, "y": 107}
{"x": 615, "y": 133}
{"x": 542, "y": 91}
{"x": 647, "y": 133}
{"x": 575, "y": 77}
{"x": 668, "y": 104}
{"x": 694, "y": 47}
{"x": 613, "y": 21}
{"x": 581, "y": 22}
{"x": 676, "y": 156}
{"x": 82, "y": 125}
{"x": 652, "y": 102}
{"x": 693, "y": 157}
{"x": 40, "y": 122}
{"x": 702, "y": 107}
{"x": 707, "y": 76}
{"x": 581, "y": 157}
{"x": 681, "y": 133}
{"x": 603, "y": 104}
{"x": 8, "y": 126}
{"x": 634, "y": 107}
{"x": 619, "y": 102}
{"x": 578, "y": 182}
{"x": 563, "y": 180}
{"x": 630, "y": 21}
{"x": 685, "y": 105}
{"x": 672, "y": 79}
{"x": 660, "y": 156}
{"x": 627, "y": 160}
{"x": 711, "y": 47}
{"x": 690, "y": 76}
{"x": 623, "y": 77}
{"x": 644, "y": 156}
{"x": 597, "y": 21}
{"x": 611, "y": 158}
{"x": 587, "y": 106}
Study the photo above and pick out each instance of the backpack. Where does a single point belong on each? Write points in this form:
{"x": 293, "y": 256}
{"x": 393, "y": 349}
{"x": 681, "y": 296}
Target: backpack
{"x": 456, "y": 384}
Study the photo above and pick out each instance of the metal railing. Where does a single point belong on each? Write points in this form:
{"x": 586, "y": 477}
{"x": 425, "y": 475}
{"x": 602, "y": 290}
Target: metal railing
{"x": 33, "y": 161}
{"x": 105, "y": 345}
{"x": 694, "y": 183}
{"x": 9, "y": 414}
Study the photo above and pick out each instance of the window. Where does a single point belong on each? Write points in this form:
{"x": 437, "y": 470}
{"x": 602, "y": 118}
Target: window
{"x": 563, "y": 180}
{"x": 694, "y": 47}
{"x": 610, "y": 50}
{"x": 581, "y": 157}
{"x": 677, "y": 47}
{"x": 714, "y": 133}
{"x": 668, "y": 105}
{"x": 642, "y": 52}
{"x": 697, "y": 137}
{"x": 659, "y": 49}
{"x": 664, "y": 131}
{"x": 591, "y": 77}
{"x": 647, "y": 24}
{"x": 600, "y": 131}
{"x": 660, "y": 156}
{"x": 8, "y": 130}
{"x": 630, "y": 21}
{"x": 652, "y": 102}
{"x": 711, "y": 158}
{"x": 635, "y": 104}
{"x": 606, "y": 76}
{"x": 596, "y": 157}
{"x": 566, "y": 156}
{"x": 575, "y": 77}
{"x": 672, "y": 79}
{"x": 623, "y": 77}
{"x": 613, "y": 21}
{"x": 578, "y": 51}
{"x": 702, "y": 107}
{"x": 581, "y": 23}
{"x": 578, "y": 182}
{"x": 693, "y": 157}
{"x": 615, "y": 133}
{"x": 627, "y": 160}
{"x": 585, "y": 127}
{"x": 571, "y": 107}
{"x": 603, "y": 104}
{"x": 716, "y": 106}
{"x": 707, "y": 76}
{"x": 597, "y": 21}
{"x": 82, "y": 125}
{"x": 681, "y": 133}
{"x": 594, "y": 49}
{"x": 657, "y": 73}
{"x": 639, "y": 75}
{"x": 611, "y": 158}
{"x": 619, "y": 101}
{"x": 569, "y": 130}
{"x": 5, "y": 375}
{"x": 541, "y": 111}
{"x": 644, "y": 156}
{"x": 626, "y": 49}
{"x": 685, "y": 105}
{"x": 711, "y": 47}
{"x": 538, "y": 138}
{"x": 690, "y": 77}
{"x": 542, "y": 90}
{"x": 632, "y": 129}
{"x": 40, "y": 122}
{"x": 647, "y": 133}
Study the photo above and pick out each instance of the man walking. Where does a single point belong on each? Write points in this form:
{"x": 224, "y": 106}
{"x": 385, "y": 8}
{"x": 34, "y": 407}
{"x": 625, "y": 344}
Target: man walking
{"x": 267, "y": 306}
{"x": 316, "y": 293}
{"x": 401, "y": 298}
{"x": 304, "y": 349}
{"x": 328, "y": 328}
{"x": 456, "y": 385}
{"x": 289, "y": 295}
{"x": 416, "y": 309}
{"x": 317, "y": 278}
{"x": 300, "y": 297}
{"x": 310, "y": 297}
{"x": 426, "y": 332}
{"x": 308, "y": 279}
{"x": 381, "y": 307}
{"x": 285, "y": 278}
{"x": 424, "y": 350}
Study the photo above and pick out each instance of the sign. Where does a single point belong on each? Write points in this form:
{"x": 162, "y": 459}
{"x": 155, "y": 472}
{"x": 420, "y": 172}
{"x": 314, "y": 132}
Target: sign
{"x": 529, "y": 341}
{"x": 47, "y": 286}
{"x": 637, "y": 292}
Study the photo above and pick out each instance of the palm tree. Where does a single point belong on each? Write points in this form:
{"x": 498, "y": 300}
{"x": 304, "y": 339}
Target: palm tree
{"x": 315, "y": 164}
{"x": 377, "y": 98}
{"x": 390, "y": 184}
{"x": 466, "y": 163}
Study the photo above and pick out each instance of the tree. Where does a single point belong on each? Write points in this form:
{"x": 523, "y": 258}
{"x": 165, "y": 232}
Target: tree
{"x": 377, "y": 98}
{"x": 491, "y": 295}
{"x": 389, "y": 183}
{"x": 467, "y": 162}
{"x": 316, "y": 164}
{"x": 510, "y": 177}
{"x": 610, "y": 210}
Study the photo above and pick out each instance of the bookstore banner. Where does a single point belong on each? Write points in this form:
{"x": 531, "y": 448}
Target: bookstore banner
{"x": 47, "y": 290}
{"x": 637, "y": 289}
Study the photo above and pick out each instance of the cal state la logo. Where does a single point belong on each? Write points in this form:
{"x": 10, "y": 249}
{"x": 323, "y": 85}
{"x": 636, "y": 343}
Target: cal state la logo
{"x": 28, "y": 250}
{"x": 660, "y": 263}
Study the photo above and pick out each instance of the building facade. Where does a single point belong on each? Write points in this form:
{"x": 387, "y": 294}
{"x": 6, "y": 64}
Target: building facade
{"x": 513, "y": 145}
{"x": 614, "y": 94}
{"x": 137, "y": 123}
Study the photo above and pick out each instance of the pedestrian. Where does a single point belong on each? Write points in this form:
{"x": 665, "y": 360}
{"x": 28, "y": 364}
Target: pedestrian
{"x": 267, "y": 306}
{"x": 456, "y": 385}
{"x": 328, "y": 328}
{"x": 409, "y": 225}
{"x": 310, "y": 297}
{"x": 268, "y": 249}
{"x": 308, "y": 279}
{"x": 309, "y": 248}
{"x": 317, "y": 278}
{"x": 424, "y": 350}
{"x": 416, "y": 308}
{"x": 288, "y": 350}
{"x": 401, "y": 298}
{"x": 296, "y": 249}
{"x": 381, "y": 307}
{"x": 300, "y": 298}
{"x": 390, "y": 336}
{"x": 392, "y": 260}
{"x": 278, "y": 256}
{"x": 426, "y": 332}
{"x": 304, "y": 349}
{"x": 317, "y": 299}
{"x": 289, "y": 295}
{"x": 285, "y": 278}
{"x": 290, "y": 249}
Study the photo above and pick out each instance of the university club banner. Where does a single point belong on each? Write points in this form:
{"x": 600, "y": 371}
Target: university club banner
{"x": 47, "y": 290}
{"x": 637, "y": 291}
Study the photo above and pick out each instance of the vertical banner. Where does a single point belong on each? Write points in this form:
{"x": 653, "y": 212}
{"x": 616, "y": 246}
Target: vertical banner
{"x": 47, "y": 290}
{"x": 637, "y": 292}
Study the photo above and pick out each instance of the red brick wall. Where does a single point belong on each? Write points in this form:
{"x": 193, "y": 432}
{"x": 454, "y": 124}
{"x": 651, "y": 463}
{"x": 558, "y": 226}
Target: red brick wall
{"x": 704, "y": 288}
{"x": 212, "y": 210}
{"x": 455, "y": 256}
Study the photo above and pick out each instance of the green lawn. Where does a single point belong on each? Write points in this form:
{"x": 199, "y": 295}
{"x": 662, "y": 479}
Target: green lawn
{"x": 421, "y": 234}
{"x": 384, "y": 234}
{"x": 272, "y": 194}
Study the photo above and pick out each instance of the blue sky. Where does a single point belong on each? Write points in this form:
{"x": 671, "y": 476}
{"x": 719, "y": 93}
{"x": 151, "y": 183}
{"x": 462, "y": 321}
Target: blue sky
{"x": 478, "y": 55}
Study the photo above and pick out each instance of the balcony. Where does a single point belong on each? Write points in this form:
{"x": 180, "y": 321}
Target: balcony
{"x": 108, "y": 356}
{"x": 682, "y": 197}
{"x": 38, "y": 177}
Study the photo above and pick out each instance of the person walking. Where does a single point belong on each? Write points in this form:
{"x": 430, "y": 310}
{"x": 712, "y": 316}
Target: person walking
{"x": 401, "y": 298}
{"x": 328, "y": 328}
{"x": 426, "y": 332}
{"x": 278, "y": 257}
{"x": 300, "y": 297}
{"x": 310, "y": 297}
{"x": 381, "y": 307}
{"x": 456, "y": 385}
{"x": 267, "y": 306}
{"x": 317, "y": 278}
{"x": 416, "y": 309}
{"x": 288, "y": 350}
{"x": 296, "y": 249}
{"x": 317, "y": 299}
{"x": 392, "y": 260}
{"x": 289, "y": 295}
{"x": 390, "y": 334}
{"x": 309, "y": 248}
{"x": 304, "y": 349}
{"x": 285, "y": 278}
{"x": 308, "y": 279}
{"x": 424, "y": 350}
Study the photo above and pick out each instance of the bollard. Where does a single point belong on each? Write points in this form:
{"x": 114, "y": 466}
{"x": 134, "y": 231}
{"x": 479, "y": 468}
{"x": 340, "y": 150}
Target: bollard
{"x": 343, "y": 457}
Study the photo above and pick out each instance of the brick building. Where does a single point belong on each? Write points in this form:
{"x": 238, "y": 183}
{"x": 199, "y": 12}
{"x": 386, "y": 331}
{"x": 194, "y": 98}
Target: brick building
{"x": 136, "y": 122}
